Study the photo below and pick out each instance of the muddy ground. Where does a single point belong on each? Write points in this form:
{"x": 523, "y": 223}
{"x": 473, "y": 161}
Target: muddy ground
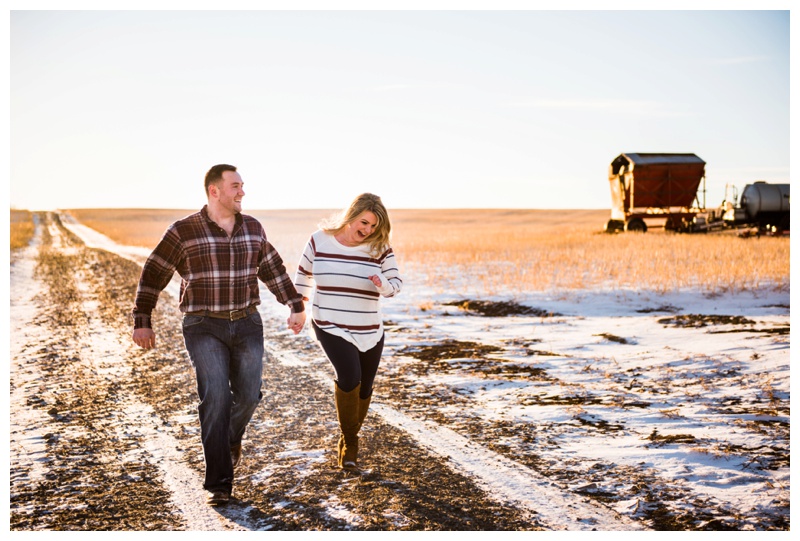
{"x": 87, "y": 407}
{"x": 98, "y": 477}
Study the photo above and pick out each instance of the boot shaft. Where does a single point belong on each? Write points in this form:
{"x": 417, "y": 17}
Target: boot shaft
{"x": 348, "y": 410}
{"x": 363, "y": 407}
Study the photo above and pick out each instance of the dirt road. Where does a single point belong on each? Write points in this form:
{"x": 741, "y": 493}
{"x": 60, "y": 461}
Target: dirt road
{"x": 105, "y": 436}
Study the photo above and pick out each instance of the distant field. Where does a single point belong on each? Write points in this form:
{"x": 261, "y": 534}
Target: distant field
{"x": 507, "y": 251}
{"x": 21, "y": 228}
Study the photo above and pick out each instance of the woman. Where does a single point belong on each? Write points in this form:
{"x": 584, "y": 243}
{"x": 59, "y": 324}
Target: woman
{"x": 349, "y": 264}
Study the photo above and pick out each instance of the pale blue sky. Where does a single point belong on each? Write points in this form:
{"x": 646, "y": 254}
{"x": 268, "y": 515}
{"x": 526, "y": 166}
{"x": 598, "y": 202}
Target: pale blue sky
{"x": 434, "y": 109}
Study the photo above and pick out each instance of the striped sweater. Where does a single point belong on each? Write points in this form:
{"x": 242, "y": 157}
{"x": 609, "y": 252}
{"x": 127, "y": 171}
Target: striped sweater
{"x": 345, "y": 302}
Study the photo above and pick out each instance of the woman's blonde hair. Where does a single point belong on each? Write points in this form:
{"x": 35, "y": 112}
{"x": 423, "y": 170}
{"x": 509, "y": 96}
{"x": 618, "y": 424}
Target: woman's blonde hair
{"x": 379, "y": 239}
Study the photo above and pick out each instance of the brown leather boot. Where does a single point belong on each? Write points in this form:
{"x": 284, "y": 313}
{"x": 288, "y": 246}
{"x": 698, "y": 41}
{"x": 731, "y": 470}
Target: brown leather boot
{"x": 363, "y": 406}
{"x": 347, "y": 411}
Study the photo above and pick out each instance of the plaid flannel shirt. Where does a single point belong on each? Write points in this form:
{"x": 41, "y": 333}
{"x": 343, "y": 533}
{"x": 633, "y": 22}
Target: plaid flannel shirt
{"x": 219, "y": 273}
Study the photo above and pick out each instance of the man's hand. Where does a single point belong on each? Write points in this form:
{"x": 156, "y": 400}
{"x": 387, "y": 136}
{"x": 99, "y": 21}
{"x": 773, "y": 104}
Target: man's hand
{"x": 144, "y": 338}
{"x": 296, "y": 321}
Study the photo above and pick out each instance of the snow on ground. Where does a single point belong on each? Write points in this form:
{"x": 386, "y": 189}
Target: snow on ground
{"x": 27, "y": 427}
{"x": 95, "y": 239}
{"x": 623, "y": 347}
{"x": 101, "y": 348}
{"x": 684, "y": 385}
{"x": 708, "y": 385}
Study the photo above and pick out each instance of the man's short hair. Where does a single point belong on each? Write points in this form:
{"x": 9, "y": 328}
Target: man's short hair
{"x": 214, "y": 174}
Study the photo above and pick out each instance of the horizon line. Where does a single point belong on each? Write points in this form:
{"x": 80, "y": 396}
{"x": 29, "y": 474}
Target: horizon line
{"x": 246, "y": 211}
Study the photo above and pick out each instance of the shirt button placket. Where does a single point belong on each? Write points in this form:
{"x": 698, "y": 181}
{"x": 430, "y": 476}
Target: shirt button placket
{"x": 231, "y": 255}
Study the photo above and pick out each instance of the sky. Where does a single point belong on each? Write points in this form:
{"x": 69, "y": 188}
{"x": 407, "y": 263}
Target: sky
{"x": 472, "y": 108}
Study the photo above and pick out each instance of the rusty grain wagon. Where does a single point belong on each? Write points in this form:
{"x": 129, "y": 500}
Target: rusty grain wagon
{"x": 660, "y": 188}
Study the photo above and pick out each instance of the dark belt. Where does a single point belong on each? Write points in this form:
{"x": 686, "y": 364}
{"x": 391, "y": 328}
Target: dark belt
{"x": 231, "y": 315}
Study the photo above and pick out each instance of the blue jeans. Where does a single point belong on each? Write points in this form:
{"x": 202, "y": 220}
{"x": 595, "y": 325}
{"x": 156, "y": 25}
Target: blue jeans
{"x": 227, "y": 358}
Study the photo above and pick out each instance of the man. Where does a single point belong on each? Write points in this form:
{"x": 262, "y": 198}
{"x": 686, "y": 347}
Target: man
{"x": 219, "y": 254}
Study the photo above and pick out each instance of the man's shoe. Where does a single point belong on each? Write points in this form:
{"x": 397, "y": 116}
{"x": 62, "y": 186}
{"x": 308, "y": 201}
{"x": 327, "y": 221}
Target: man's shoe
{"x": 236, "y": 454}
{"x": 218, "y": 497}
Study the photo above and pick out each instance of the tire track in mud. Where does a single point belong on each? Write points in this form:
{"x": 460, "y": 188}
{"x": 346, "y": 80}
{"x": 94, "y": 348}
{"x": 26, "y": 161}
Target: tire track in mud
{"x": 60, "y": 402}
{"x": 417, "y": 475}
{"x": 500, "y": 478}
{"x": 510, "y": 481}
{"x": 27, "y": 438}
{"x": 111, "y": 464}
{"x": 156, "y": 446}
{"x": 121, "y": 444}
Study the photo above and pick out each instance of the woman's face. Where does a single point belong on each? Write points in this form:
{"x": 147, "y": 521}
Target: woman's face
{"x": 357, "y": 231}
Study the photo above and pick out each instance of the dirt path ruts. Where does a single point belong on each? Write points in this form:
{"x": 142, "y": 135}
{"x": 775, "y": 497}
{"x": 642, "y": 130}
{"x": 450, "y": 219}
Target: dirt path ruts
{"x": 88, "y": 472}
{"x": 105, "y": 437}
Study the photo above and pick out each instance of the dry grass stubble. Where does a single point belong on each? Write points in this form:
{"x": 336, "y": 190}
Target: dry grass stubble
{"x": 21, "y": 228}
{"x": 507, "y": 251}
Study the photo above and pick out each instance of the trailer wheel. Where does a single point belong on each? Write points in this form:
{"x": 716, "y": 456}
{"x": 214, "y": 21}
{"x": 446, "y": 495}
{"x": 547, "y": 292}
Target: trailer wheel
{"x": 636, "y": 225}
{"x": 612, "y": 226}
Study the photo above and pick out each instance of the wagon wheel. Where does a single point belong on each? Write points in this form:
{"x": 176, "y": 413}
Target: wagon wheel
{"x": 636, "y": 225}
{"x": 672, "y": 224}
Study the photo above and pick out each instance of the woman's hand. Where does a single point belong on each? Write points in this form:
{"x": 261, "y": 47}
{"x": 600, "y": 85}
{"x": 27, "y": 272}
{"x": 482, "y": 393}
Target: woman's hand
{"x": 376, "y": 280}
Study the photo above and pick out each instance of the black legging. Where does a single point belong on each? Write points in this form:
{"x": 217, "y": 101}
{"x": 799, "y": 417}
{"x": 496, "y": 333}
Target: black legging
{"x": 351, "y": 365}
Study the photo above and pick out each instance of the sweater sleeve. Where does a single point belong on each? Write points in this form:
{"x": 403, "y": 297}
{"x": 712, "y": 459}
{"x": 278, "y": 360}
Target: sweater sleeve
{"x": 391, "y": 282}
{"x": 304, "y": 277}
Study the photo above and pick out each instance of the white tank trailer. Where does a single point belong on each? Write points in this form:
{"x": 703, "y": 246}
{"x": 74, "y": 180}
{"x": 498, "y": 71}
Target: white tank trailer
{"x": 762, "y": 205}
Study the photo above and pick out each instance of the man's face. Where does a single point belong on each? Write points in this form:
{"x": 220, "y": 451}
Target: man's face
{"x": 230, "y": 191}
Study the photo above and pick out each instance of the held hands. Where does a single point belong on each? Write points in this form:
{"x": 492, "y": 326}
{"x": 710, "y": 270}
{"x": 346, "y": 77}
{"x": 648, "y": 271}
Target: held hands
{"x": 144, "y": 338}
{"x": 296, "y": 321}
{"x": 376, "y": 280}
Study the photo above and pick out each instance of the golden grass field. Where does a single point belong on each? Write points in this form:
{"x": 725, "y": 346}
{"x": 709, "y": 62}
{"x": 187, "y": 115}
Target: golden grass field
{"x": 504, "y": 251}
{"x": 21, "y": 228}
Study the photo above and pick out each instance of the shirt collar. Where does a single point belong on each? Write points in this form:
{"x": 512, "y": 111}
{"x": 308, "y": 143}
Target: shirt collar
{"x": 207, "y": 218}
